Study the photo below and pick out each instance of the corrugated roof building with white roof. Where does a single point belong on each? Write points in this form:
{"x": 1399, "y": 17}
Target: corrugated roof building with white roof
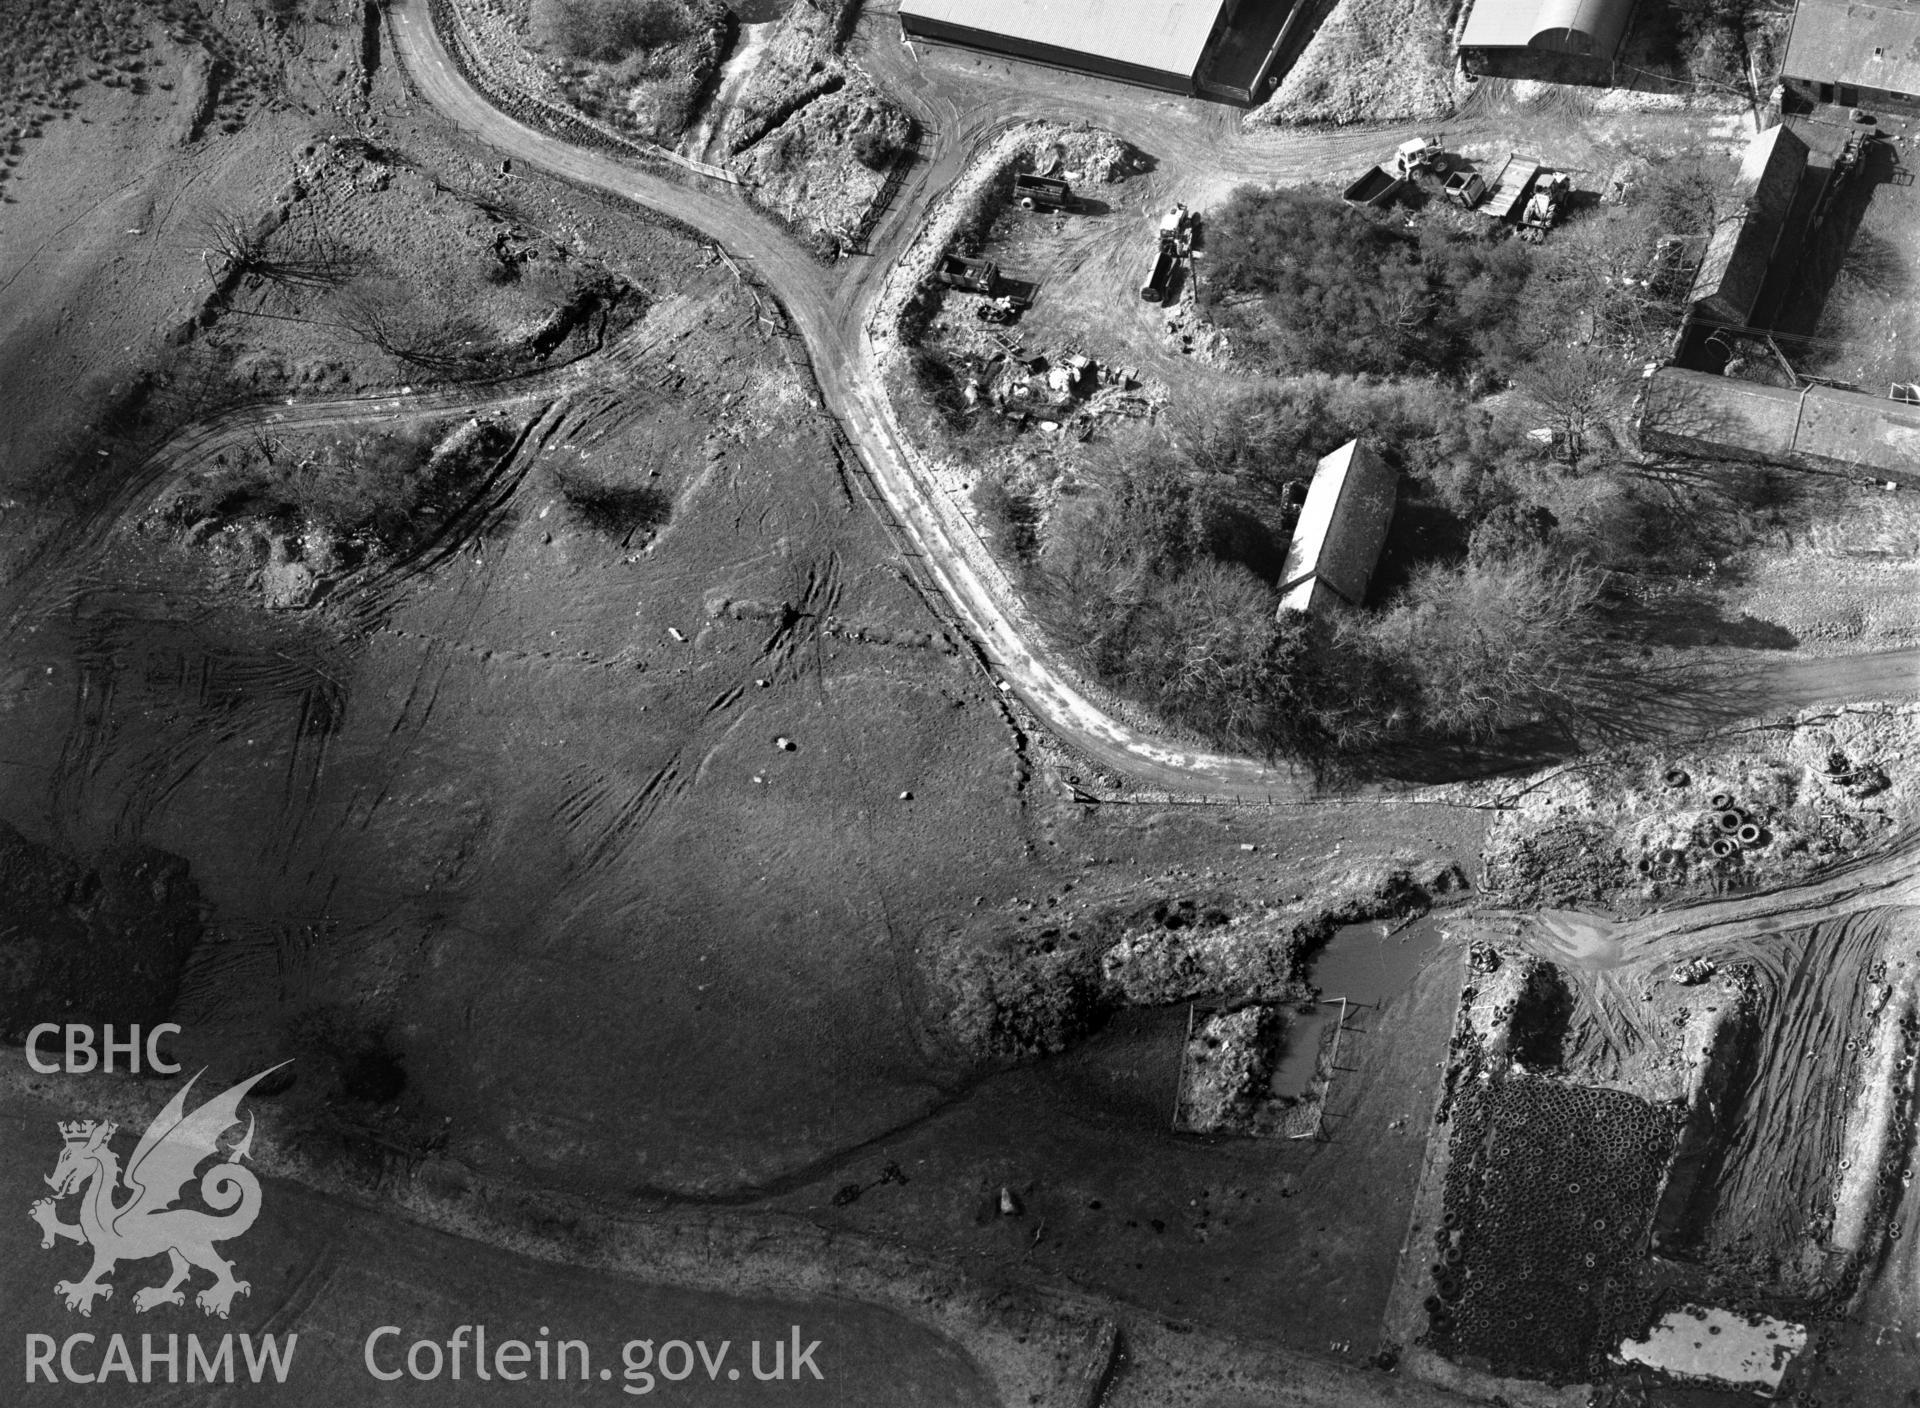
{"x": 1341, "y": 530}
{"x": 1139, "y": 41}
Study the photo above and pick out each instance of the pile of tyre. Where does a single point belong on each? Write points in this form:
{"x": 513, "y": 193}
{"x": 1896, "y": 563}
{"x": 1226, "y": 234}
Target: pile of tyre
{"x": 1550, "y": 1193}
{"x": 1725, "y": 832}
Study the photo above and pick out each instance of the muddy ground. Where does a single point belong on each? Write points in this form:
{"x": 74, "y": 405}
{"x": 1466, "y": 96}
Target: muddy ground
{"x": 1262, "y": 1238}
{"x": 547, "y": 775}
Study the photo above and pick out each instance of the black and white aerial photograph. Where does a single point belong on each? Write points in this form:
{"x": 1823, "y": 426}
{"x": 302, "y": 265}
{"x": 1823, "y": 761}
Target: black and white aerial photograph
{"x": 959, "y": 703}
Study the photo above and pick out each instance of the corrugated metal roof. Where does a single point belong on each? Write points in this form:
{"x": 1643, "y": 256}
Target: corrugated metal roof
{"x": 1853, "y": 428}
{"x": 1735, "y": 265}
{"x": 1868, "y": 46}
{"x": 1586, "y": 27}
{"x": 1168, "y": 35}
{"x": 1341, "y": 529}
{"x": 1821, "y": 427}
{"x": 1694, "y": 412}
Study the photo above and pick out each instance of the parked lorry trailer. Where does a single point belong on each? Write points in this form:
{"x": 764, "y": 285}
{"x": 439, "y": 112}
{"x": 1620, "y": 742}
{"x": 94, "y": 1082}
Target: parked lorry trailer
{"x": 973, "y": 275}
{"x": 1160, "y": 273}
{"x": 1041, "y": 192}
{"x": 1466, "y": 189}
{"x": 1510, "y": 187}
{"x": 1378, "y": 185}
{"x": 1172, "y": 242}
{"x": 1007, "y": 297}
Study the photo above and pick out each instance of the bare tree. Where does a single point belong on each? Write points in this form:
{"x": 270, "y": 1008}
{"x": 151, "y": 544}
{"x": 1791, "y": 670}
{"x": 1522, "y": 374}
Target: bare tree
{"x": 1493, "y": 641}
{"x": 438, "y": 337}
{"x": 231, "y": 243}
{"x": 1577, "y": 388}
{"x": 234, "y": 244}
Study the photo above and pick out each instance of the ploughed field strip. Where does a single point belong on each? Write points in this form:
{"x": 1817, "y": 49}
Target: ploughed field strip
{"x": 1786, "y": 1147}
{"x": 1550, "y": 1195}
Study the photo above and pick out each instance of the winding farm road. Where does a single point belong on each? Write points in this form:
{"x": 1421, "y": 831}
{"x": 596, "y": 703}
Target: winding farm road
{"x": 834, "y": 332}
{"x": 831, "y": 310}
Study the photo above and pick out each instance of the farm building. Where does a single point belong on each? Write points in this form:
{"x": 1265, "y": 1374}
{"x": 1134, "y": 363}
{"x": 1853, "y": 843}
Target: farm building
{"x": 1158, "y": 43}
{"x": 1854, "y": 54}
{"x": 1816, "y": 427}
{"x": 1744, "y": 242}
{"x": 1589, "y": 29}
{"x": 1342, "y": 527}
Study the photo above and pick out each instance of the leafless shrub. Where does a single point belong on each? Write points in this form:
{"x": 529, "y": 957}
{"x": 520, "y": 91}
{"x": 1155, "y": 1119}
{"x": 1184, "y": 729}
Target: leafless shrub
{"x": 1494, "y": 641}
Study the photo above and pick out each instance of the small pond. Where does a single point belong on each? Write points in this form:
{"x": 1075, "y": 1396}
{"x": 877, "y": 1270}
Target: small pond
{"x": 1363, "y": 963}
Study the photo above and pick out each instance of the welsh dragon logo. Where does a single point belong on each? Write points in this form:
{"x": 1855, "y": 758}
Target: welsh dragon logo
{"x": 144, "y": 1224}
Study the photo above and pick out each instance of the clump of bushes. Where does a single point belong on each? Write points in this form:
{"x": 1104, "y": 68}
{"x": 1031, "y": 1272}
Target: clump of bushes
{"x": 348, "y": 1056}
{"x": 885, "y": 132}
{"x": 368, "y": 484}
{"x": 1159, "y": 576}
{"x": 611, "y": 506}
{"x": 640, "y": 64}
{"x": 1729, "y": 43}
{"x": 367, "y": 493}
{"x": 1307, "y": 282}
{"x": 607, "y": 31}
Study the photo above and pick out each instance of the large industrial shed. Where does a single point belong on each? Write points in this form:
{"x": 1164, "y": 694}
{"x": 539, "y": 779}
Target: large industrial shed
{"x": 1583, "y": 28}
{"x": 1744, "y": 242}
{"x": 1854, "y": 54}
{"x": 1816, "y": 427}
{"x": 1341, "y": 529}
{"x": 1158, "y": 43}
